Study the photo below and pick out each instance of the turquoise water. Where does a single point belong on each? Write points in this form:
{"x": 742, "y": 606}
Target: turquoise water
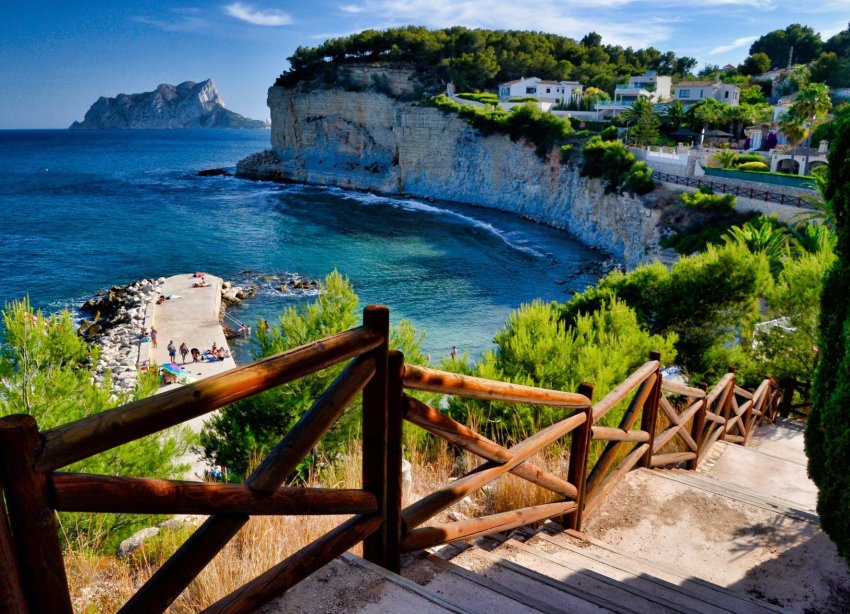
{"x": 82, "y": 211}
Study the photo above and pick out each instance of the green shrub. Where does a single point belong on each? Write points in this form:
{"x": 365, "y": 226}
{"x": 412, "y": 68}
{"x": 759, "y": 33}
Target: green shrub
{"x": 609, "y": 134}
{"x": 754, "y": 166}
{"x": 523, "y": 99}
{"x": 706, "y": 200}
{"x": 536, "y": 348}
{"x": 751, "y": 157}
{"x": 483, "y": 97}
{"x": 639, "y": 179}
{"x": 828, "y": 428}
{"x": 566, "y": 152}
{"x": 527, "y": 121}
{"x": 725, "y": 158}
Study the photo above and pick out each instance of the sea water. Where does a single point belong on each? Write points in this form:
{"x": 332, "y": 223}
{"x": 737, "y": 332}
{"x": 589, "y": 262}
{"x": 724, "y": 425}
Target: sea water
{"x": 81, "y": 211}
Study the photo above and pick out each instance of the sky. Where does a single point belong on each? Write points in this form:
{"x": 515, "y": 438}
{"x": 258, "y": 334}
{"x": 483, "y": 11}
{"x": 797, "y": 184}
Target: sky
{"x": 57, "y": 58}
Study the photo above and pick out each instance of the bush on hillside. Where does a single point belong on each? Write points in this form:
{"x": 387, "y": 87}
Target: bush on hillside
{"x": 523, "y": 99}
{"x": 535, "y": 348}
{"x": 828, "y": 428}
{"x": 710, "y": 301}
{"x": 751, "y": 157}
{"x": 482, "y": 97}
{"x": 526, "y": 121}
{"x": 707, "y": 200}
{"x": 612, "y": 161}
{"x": 759, "y": 167}
{"x": 609, "y": 134}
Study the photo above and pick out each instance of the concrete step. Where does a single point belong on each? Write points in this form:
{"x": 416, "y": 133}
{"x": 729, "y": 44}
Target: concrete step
{"x": 652, "y": 577}
{"x": 741, "y": 493}
{"x": 782, "y": 439}
{"x": 350, "y": 584}
{"x": 477, "y": 593}
{"x": 552, "y": 594}
{"x": 764, "y": 474}
{"x": 706, "y": 529}
{"x": 603, "y": 579}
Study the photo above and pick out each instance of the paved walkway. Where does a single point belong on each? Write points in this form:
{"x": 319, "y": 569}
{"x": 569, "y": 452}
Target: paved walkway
{"x": 190, "y": 316}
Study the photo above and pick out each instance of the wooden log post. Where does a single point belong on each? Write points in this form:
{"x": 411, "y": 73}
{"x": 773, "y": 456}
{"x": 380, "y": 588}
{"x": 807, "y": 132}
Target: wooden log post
{"x": 726, "y": 410}
{"x": 579, "y": 450}
{"x": 12, "y": 597}
{"x": 375, "y": 414}
{"x": 788, "y": 388}
{"x": 698, "y": 427}
{"x": 649, "y": 415}
{"x": 395, "y": 426}
{"x": 31, "y": 517}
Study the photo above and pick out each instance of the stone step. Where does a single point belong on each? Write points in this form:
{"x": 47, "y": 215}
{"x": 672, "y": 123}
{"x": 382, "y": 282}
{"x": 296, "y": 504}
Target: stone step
{"x": 476, "y": 593}
{"x": 350, "y": 584}
{"x": 650, "y": 576}
{"x": 738, "y": 492}
{"x": 559, "y": 589}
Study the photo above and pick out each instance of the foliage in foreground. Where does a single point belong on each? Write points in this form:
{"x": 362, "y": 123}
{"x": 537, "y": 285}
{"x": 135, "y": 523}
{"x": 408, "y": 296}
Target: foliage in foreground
{"x": 244, "y": 432}
{"x": 705, "y": 199}
{"x": 828, "y": 429}
{"x": 46, "y": 371}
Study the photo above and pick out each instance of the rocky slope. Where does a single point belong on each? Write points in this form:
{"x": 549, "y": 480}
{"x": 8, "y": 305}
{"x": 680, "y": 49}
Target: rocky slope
{"x": 368, "y": 141}
{"x": 188, "y": 105}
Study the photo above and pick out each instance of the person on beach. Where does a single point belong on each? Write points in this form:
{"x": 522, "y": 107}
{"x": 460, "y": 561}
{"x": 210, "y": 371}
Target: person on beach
{"x": 454, "y": 352}
{"x": 196, "y": 355}
{"x": 153, "y": 336}
{"x": 172, "y": 351}
{"x": 184, "y": 351}
{"x": 214, "y": 348}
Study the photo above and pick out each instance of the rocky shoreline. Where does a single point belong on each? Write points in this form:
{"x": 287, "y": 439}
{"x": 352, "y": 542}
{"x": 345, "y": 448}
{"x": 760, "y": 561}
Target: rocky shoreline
{"x": 116, "y": 319}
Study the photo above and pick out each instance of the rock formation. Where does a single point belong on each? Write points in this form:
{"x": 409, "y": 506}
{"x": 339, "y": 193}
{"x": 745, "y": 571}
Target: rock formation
{"x": 188, "y": 105}
{"x": 366, "y": 140}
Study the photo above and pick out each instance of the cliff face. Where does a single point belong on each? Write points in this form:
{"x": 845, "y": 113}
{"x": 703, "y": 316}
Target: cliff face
{"x": 368, "y": 141}
{"x": 188, "y": 105}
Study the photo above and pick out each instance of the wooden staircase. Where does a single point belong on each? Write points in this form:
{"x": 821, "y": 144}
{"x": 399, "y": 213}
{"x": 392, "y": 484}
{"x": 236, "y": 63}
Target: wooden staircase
{"x": 755, "y": 548}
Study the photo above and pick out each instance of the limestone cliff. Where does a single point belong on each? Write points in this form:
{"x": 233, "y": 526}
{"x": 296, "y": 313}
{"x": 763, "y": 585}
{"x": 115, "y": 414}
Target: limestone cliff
{"x": 368, "y": 141}
{"x": 188, "y": 105}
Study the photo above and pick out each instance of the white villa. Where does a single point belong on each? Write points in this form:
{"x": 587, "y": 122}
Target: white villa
{"x": 689, "y": 92}
{"x": 650, "y": 85}
{"x": 543, "y": 90}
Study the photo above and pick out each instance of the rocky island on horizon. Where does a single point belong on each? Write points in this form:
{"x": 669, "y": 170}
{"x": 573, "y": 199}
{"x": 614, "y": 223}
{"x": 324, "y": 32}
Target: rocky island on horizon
{"x": 187, "y": 105}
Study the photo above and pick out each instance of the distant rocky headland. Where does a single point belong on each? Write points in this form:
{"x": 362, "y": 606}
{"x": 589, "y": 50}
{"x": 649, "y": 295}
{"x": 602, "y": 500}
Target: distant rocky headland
{"x": 188, "y": 105}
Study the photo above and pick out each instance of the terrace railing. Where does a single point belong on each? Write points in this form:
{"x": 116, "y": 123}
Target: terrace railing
{"x": 33, "y": 579}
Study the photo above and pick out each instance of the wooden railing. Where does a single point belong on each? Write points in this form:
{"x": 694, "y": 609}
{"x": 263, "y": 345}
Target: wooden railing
{"x": 33, "y": 578}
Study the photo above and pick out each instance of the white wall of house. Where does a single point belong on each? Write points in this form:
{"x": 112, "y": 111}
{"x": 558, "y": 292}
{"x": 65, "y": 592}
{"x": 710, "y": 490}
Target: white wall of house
{"x": 543, "y": 90}
{"x": 690, "y": 92}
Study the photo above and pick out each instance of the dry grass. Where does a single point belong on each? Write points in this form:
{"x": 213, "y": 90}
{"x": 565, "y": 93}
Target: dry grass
{"x": 103, "y": 583}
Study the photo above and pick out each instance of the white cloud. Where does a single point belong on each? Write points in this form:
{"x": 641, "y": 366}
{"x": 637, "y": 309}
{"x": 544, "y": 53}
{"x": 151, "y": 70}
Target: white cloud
{"x": 258, "y": 17}
{"x": 352, "y": 8}
{"x": 735, "y": 44}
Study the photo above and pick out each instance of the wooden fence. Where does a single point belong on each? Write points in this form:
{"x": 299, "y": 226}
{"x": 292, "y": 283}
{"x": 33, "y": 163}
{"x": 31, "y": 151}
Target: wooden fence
{"x": 33, "y": 578}
{"x": 723, "y": 188}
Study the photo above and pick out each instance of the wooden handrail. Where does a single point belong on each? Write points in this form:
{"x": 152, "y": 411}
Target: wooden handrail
{"x": 420, "y": 511}
{"x": 621, "y": 391}
{"x": 606, "y": 433}
{"x": 80, "y": 492}
{"x": 427, "y": 537}
{"x": 196, "y": 552}
{"x": 78, "y": 440}
{"x": 431, "y": 380}
{"x": 438, "y": 424}
{"x": 719, "y": 387}
{"x": 681, "y": 389}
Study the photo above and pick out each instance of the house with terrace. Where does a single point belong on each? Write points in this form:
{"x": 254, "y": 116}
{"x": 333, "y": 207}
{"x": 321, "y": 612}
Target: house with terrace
{"x": 650, "y": 85}
{"x": 542, "y": 89}
{"x": 689, "y": 92}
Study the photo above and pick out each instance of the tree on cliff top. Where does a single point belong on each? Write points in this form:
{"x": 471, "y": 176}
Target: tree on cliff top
{"x": 828, "y": 428}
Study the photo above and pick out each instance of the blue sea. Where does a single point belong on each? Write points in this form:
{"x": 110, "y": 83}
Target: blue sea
{"x": 81, "y": 211}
